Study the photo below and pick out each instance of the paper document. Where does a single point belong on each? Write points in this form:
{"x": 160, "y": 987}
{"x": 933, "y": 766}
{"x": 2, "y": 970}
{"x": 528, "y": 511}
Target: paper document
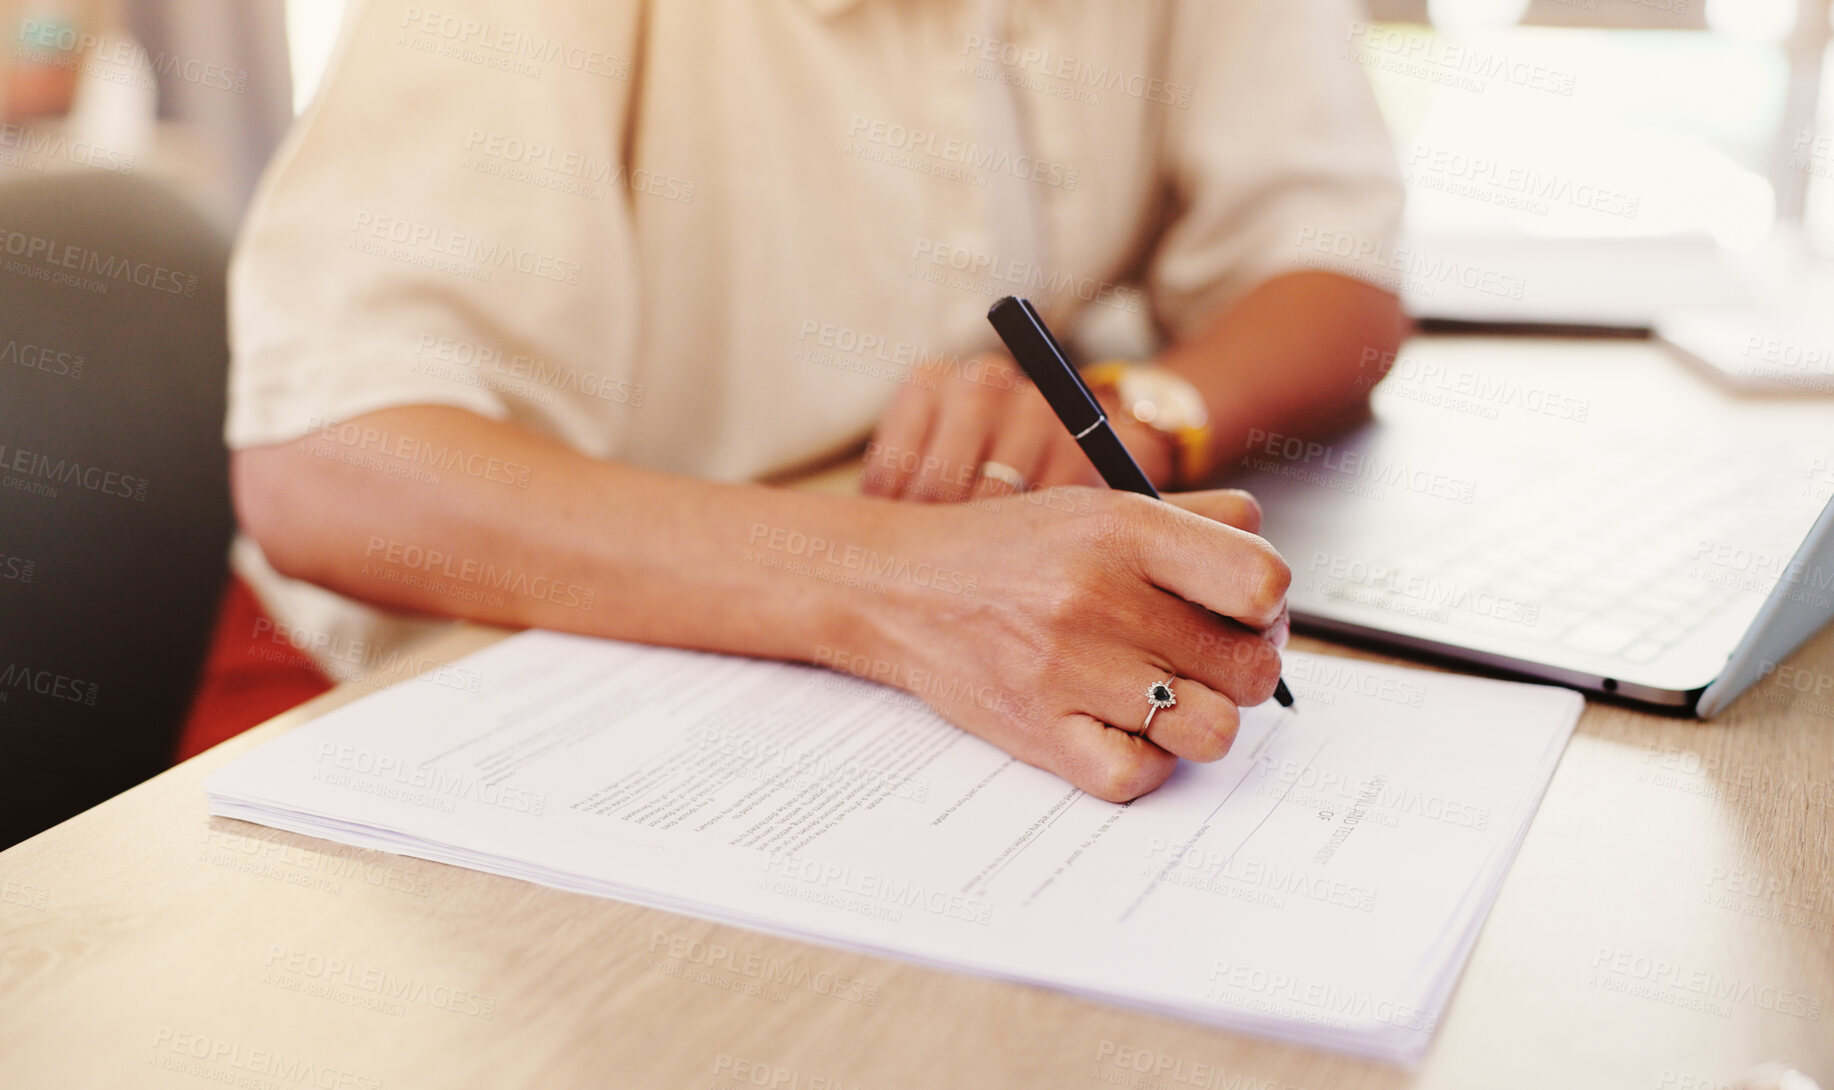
{"x": 1322, "y": 883}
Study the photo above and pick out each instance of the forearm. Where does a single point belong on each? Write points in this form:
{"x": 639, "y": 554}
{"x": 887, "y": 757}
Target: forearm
{"x": 551, "y": 538}
{"x": 1031, "y": 620}
{"x": 1296, "y": 356}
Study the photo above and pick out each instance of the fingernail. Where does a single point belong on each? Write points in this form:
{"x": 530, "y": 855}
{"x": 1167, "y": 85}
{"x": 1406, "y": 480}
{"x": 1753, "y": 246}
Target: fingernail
{"x": 1280, "y": 631}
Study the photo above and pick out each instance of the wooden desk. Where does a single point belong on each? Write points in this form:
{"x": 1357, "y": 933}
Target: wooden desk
{"x": 1668, "y": 925}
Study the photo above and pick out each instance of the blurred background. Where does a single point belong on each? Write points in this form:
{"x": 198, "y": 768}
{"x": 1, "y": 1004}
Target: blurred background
{"x": 1635, "y": 154}
{"x": 1701, "y": 114}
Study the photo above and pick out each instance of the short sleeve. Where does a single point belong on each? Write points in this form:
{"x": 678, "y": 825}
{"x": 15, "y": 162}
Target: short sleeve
{"x": 1280, "y": 146}
{"x": 452, "y": 194}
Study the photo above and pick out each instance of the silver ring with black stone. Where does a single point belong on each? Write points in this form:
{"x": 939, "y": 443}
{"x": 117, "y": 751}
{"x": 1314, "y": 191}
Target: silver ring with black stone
{"x": 1160, "y": 695}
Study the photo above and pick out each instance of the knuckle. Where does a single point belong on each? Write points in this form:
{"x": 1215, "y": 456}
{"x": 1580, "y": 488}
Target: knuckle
{"x": 1127, "y": 776}
{"x": 1269, "y": 579}
{"x": 1218, "y": 734}
{"x": 1114, "y": 524}
{"x": 1106, "y": 528}
{"x": 1263, "y": 675}
{"x": 1251, "y": 510}
{"x": 1065, "y": 599}
{"x": 987, "y": 386}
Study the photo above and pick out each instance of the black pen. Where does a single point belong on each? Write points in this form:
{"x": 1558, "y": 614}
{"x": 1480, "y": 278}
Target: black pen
{"x": 1044, "y": 361}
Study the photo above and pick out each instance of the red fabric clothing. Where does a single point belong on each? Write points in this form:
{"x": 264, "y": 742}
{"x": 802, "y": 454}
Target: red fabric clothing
{"x": 251, "y": 675}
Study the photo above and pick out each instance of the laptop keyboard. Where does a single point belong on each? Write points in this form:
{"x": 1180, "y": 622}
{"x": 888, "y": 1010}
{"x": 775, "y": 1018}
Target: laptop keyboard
{"x": 1614, "y": 572}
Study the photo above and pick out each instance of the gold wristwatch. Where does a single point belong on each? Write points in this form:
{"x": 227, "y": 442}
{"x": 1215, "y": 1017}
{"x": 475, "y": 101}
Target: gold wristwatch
{"x": 1163, "y": 400}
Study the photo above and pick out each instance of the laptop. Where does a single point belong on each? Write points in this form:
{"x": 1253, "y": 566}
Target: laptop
{"x": 1565, "y": 523}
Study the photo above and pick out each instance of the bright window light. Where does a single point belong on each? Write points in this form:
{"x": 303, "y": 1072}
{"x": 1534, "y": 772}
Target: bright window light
{"x": 1465, "y": 16}
{"x": 1752, "y": 20}
{"x": 1618, "y": 133}
{"x": 312, "y": 31}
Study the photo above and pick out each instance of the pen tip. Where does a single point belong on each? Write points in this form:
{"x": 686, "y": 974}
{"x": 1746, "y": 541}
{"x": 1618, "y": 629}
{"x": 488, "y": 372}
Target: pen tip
{"x": 1282, "y": 694}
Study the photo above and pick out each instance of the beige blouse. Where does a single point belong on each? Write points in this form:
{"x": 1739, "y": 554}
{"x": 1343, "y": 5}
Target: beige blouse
{"x": 711, "y": 236}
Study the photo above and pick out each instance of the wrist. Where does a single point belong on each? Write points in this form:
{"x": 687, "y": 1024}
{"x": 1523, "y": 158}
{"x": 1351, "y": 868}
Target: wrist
{"x": 1156, "y": 452}
{"x": 894, "y": 582}
{"x": 1163, "y": 403}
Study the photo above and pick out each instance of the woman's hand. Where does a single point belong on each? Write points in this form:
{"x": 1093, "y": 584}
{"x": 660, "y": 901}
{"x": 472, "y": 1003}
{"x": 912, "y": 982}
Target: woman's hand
{"x": 1062, "y": 607}
{"x": 948, "y": 420}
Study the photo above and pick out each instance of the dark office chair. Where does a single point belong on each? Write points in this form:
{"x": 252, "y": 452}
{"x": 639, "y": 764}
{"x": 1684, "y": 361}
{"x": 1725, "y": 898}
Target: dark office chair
{"x": 115, "y": 516}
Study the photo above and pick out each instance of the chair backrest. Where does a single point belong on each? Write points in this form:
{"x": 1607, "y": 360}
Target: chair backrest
{"x": 115, "y": 515}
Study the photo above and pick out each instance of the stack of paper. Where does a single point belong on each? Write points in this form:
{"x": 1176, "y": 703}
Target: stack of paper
{"x": 1323, "y": 883}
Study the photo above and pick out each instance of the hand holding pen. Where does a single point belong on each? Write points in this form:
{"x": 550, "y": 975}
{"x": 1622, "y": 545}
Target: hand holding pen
{"x": 1096, "y": 633}
{"x": 1046, "y": 364}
